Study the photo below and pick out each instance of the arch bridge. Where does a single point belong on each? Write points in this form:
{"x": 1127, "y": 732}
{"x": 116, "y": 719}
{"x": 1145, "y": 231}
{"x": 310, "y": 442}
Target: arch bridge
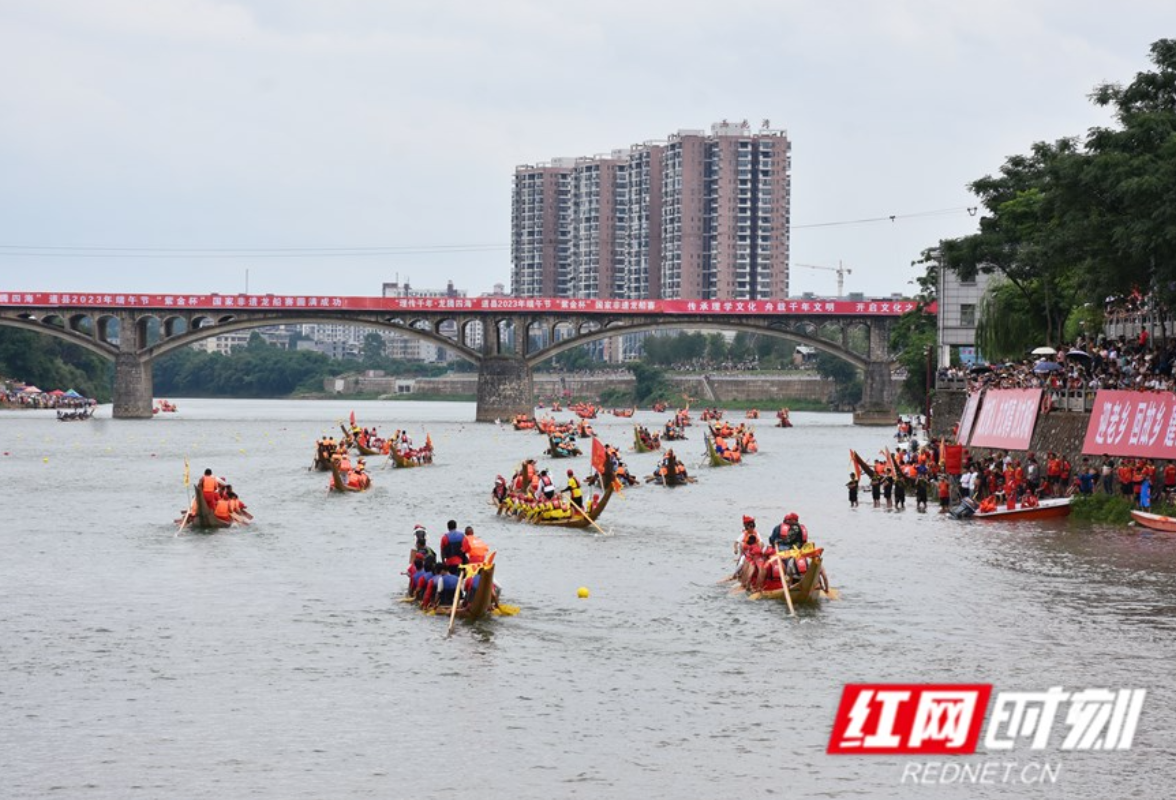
{"x": 505, "y": 337}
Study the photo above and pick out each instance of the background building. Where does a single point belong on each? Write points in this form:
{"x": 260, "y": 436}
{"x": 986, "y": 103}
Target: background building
{"x": 959, "y": 304}
{"x": 702, "y": 215}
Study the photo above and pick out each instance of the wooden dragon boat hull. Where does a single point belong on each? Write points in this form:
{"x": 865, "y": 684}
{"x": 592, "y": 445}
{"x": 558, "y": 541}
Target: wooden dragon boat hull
{"x": 577, "y": 519}
{"x": 205, "y": 519}
{"x": 640, "y": 447}
{"x": 807, "y": 590}
{"x": 556, "y": 451}
{"x": 406, "y": 463}
{"x": 339, "y": 483}
{"x": 479, "y": 604}
{"x": 716, "y": 460}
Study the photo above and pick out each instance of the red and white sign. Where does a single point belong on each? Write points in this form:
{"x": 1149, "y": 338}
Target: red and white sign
{"x": 1139, "y": 424}
{"x": 323, "y": 303}
{"x": 1006, "y": 419}
{"x": 889, "y": 719}
{"x": 968, "y": 418}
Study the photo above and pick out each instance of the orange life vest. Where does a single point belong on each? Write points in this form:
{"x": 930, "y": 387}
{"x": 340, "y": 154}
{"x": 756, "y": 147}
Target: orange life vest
{"x": 478, "y": 549}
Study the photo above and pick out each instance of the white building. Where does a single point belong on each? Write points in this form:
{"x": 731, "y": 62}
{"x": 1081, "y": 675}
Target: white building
{"x": 959, "y": 305}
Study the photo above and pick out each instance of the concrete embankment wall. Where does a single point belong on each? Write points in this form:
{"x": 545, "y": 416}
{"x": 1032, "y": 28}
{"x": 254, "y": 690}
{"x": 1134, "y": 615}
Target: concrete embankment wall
{"x": 1057, "y": 431}
{"x": 709, "y": 388}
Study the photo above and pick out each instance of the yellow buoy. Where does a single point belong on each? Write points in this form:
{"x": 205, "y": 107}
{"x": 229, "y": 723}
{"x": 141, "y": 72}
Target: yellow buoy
{"x": 582, "y": 592}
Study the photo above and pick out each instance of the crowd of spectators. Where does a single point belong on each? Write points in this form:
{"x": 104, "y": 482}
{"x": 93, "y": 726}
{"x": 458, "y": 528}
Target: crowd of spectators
{"x": 1121, "y": 363}
{"x": 14, "y": 394}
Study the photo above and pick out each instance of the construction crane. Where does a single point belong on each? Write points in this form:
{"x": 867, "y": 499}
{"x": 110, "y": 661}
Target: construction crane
{"x": 840, "y": 269}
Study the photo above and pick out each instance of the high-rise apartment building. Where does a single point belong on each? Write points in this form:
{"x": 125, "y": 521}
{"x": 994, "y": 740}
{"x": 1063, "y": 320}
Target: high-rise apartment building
{"x": 701, "y": 215}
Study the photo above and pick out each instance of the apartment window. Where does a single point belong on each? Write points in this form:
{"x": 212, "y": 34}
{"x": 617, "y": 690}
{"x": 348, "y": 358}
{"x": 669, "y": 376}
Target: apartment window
{"x": 967, "y": 316}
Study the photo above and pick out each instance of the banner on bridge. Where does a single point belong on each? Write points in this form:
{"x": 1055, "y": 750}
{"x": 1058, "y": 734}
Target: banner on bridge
{"x": 1125, "y": 423}
{"x": 1006, "y": 419}
{"x": 271, "y": 302}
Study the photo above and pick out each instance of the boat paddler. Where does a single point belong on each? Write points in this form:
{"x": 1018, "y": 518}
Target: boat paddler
{"x": 573, "y": 489}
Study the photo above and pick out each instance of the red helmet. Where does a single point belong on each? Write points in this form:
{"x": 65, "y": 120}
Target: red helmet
{"x": 748, "y": 521}
{"x": 570, "y": 472}
{"x": 792, "y": 517}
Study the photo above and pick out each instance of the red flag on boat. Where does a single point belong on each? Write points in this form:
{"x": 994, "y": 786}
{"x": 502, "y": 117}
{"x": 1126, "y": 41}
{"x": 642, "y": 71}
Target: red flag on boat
{"x": 853, "y": 464}
{"x": 353, "y": 419}
{"x": 599, "y": 457}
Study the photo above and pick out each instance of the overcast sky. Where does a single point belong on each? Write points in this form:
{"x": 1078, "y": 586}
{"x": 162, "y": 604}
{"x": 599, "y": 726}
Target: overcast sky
{"x": 291, "y": 135}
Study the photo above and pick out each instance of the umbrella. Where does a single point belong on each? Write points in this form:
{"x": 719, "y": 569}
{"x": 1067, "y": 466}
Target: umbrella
{"x": 1046, "y": 366}
{"x": 1043, "y": 351}
{"x": 30, "y": 389}
{"x": 979, "y": 368}
{"x": 57, "y": 393}
{"x": 71, "y": 393}
{"x": 1078, "y": 355}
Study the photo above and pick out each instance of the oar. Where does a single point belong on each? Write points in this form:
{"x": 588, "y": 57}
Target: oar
{"x": 784, "y": 583}
{"x": 456, "y": 595}
{"x": 591, "y": 521}
{"x": 184, "y": 521}
{"x": 238, "y": 518}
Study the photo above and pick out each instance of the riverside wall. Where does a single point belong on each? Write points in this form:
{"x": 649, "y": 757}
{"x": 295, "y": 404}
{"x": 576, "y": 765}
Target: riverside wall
{"x": 708, "y": 388}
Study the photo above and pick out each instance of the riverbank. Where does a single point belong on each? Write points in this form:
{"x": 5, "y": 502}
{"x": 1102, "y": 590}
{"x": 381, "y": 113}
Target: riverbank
{"x": 795, "y": 389}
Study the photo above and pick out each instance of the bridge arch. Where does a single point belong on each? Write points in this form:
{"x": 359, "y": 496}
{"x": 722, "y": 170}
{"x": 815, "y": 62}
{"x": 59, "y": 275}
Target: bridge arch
{"x": 29, "y": 322}
{"x": 586, "y": 335}
{"x": 203, "y": 327}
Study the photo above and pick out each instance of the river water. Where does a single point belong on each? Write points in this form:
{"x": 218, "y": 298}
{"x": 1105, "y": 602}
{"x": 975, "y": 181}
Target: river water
{"x": 277, "y": 662}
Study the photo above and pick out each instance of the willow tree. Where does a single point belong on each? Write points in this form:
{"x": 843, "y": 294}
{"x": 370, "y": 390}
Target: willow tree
{"x": 1006, "y": 327}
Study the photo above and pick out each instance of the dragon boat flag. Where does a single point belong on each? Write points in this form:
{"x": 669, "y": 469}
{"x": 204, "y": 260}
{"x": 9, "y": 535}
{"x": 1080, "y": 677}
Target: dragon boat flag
{"x": 599, "y": 457}
{"x": 353, "y": 419}
{"x": 187, "y": 473}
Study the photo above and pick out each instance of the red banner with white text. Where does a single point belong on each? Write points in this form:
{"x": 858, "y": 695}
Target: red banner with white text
{"x": 328, "y": 303}
{"x": 1006, "y": 419}
{"x": 968, "y": 418}
{"x": 1140, "y": 424}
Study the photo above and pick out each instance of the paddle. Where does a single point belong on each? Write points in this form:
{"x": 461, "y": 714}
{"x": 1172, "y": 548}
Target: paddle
{"x": 456, "y": 595}
{"x": 184, "y": 521}
{"x": 591, "y": 521}
{"x": 784, "y": 583}
{"x": 238, "y": 518}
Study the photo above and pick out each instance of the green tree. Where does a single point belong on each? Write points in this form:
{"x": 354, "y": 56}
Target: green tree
{"x": 1028, "y": 235}
{"x": 52, "y": 363}
{"x": 650, "y": 383}
{"x": 741, "y": 348}
{"x": 913, "y": 337}
{"x": 845, "y": 377}
{"x": 716, "y": 348}
{"x": 1129, "y": 186}
{"x": 1006, "y": 324}
{"x": 373, "y": 350}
